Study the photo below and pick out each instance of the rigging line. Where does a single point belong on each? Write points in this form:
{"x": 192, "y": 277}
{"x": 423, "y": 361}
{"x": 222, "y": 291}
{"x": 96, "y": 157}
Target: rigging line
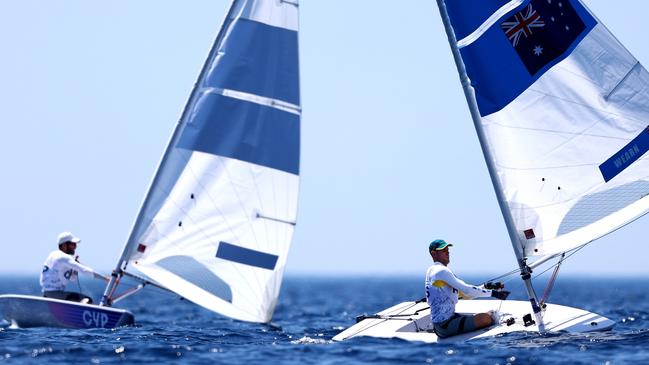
{"x": 274, "y": 189}
{"x": 574, "y": 251}
{"x": 553, "y": 278}
{"x": 587, "y": 106}
{"x": 200, "y": 230}
{"x": 555, "y": 167}
{"x": 242, "y": 206}
{"x": 558, "y": 132}
{"x": 259, "y": 198}
{"x": 515, "y": 271}
{"x": 215, "y": 205}
{"x": 380, "y": 320}
{"x": 573, "y": 137}
{"x": 266, "y": 295}
{"x": 549, "y": 167}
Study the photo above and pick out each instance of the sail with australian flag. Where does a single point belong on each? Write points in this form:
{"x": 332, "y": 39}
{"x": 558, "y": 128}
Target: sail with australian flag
{"x": 561, "y": 110}
{"x": 564, "y": 110}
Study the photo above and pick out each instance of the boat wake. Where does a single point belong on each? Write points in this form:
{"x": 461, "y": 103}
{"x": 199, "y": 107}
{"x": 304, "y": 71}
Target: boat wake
{"x": 306, "y": 340}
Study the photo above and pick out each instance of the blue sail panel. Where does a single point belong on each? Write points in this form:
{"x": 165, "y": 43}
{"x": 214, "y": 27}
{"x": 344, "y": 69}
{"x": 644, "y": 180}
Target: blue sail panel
{"x": 467, "y": 15}
{"x": 246, "y": 256}
{"x": 519, "y": 48}
{"x": 245, "y": 131}
{"x": 259, "y": 59}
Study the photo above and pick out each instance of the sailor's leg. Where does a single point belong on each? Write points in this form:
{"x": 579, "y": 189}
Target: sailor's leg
{"x": 73, "y": 297}
{"x": 462, "y": 323}
{"x": 482, "y": 320}
{"x": 56, "y": 294}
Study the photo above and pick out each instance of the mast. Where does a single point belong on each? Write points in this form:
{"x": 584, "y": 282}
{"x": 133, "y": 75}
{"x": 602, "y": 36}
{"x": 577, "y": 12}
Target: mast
{"x": 475, "y": 116}
{"x": 122, "y": 261}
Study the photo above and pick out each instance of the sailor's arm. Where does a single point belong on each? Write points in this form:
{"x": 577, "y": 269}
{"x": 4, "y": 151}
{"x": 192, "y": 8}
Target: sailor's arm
{"x": 467, "y": 291}
{"x": 74, "y": 264}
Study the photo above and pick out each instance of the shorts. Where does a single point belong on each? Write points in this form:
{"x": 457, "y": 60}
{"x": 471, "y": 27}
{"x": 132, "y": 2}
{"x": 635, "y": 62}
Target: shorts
{"x": 457, "y": 324}
{"x": 66, "y": 295}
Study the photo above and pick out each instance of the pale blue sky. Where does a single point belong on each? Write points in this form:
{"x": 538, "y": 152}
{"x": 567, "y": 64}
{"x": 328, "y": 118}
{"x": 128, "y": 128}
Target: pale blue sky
{"x": 90, "y": 91}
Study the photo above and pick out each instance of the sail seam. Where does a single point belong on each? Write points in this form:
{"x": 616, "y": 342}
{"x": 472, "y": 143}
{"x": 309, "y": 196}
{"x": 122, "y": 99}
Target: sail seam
{"x": 290, "y": 2}
{"x": 626, "y": 76}
{"x": 257, "y": 99}
{"x": 488, "y": 23}
{"x": 250, "y": 225}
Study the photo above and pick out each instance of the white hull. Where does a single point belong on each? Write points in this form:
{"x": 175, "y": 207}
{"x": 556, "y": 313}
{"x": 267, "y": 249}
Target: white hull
{"x": 24, "y": 311}
{"x": 413, "y": 321}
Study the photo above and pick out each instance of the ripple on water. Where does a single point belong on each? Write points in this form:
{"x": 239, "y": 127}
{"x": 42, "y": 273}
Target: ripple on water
{"x": 311, "y": 312}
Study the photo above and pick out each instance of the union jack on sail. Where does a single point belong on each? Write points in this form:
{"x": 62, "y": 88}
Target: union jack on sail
{"x": 522, "y": 23}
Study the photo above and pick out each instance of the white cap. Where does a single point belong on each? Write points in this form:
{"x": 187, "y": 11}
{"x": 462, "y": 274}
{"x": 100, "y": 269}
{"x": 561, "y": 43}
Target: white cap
{"x": 68, "y": 237}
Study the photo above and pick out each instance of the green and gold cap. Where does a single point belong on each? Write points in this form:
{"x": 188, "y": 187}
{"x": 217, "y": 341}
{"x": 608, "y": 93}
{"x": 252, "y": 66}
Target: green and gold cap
{"x": 438, "y": 245}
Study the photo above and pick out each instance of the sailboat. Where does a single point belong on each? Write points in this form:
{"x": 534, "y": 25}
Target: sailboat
{"x": 561, "y": 110}
{"x": 217, "y": 221}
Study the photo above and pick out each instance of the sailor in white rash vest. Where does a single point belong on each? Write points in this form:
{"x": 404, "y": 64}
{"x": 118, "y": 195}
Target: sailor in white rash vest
{"x": 61, "y": 268}
{"x": 443, "y": 289}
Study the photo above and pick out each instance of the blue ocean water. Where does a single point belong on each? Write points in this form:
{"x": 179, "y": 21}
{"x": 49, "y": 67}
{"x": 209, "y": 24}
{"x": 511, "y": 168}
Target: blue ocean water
{"x": 311, "y": 311}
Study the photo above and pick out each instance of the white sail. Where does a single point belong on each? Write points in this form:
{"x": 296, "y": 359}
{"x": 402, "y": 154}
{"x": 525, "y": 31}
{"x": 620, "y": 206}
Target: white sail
{"x": 564, "y": 109}
{"x": 218, "y": 220}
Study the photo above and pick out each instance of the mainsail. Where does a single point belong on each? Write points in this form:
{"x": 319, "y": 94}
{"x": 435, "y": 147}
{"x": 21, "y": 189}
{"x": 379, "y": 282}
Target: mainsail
{"x": 217, "y": 222}
{"x": 564, "y": 111}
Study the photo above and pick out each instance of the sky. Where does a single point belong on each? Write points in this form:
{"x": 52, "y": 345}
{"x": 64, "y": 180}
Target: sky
{"x": 91, "y": 90}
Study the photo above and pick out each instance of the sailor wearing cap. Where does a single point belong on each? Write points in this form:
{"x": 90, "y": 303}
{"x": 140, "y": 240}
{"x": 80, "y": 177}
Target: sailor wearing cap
{"x": 443, "y": 290}
{"x": 61, "y": 268}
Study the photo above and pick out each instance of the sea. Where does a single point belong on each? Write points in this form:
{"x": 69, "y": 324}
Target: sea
{"x": 313, "y": 309}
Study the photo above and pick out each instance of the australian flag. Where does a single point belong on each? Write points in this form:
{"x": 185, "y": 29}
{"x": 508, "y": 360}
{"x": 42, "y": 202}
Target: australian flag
{"x": 542, "y": 31}
{"x": 509, "y": 56}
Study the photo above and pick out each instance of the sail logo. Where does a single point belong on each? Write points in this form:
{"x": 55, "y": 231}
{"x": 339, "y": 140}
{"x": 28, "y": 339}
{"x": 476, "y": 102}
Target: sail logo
{"x": 626, "y": 156}
{"x": 94, "y": 319}
{"x": 522, "y": 24}
{"x": 543, "y": 31}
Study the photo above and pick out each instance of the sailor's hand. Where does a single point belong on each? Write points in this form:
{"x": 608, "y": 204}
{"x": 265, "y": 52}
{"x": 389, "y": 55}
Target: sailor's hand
{"x": 100, "y": 276}
{"x": 500, "y": 294}
{"x": 496, "y": 286}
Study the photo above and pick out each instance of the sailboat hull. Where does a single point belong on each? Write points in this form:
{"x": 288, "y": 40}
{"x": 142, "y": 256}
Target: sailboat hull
{"x": 30, "y": 311}
{"x": 411, "y": 321}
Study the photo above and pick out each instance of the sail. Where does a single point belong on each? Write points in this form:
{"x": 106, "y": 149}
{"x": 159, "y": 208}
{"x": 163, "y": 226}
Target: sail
{"x": 564, "y": 109}
{"x": 217, "y": 222}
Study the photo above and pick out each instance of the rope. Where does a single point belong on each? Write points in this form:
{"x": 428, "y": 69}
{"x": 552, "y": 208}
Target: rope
{"x": 510, "y": 273}
{"x": 561, "y": 259}
{"x": 553, "y": 278}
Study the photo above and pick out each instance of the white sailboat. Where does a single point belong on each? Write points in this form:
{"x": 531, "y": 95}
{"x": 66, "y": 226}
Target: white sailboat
{"x": 217, "y": 221}
{"x": 561, "y": 110}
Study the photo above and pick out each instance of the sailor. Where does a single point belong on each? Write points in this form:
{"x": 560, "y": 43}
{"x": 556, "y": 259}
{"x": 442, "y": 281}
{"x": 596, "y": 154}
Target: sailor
{"x": 443, "y": 290}
{"x": 62, "y": 267}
